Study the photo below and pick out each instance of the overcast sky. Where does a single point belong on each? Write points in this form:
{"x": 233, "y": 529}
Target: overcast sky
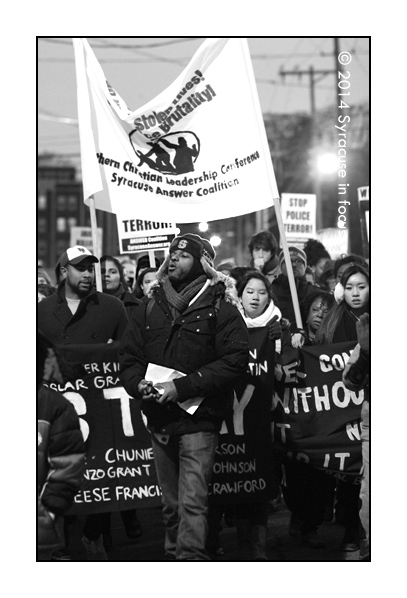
{"x": 140, "y": 68}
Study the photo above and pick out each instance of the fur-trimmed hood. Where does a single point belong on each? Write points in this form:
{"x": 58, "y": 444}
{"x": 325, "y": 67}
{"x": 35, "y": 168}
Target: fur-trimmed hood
{"x": 213, "y": 275}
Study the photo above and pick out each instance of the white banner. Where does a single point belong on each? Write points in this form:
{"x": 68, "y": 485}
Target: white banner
{"x": 198, "y": 151}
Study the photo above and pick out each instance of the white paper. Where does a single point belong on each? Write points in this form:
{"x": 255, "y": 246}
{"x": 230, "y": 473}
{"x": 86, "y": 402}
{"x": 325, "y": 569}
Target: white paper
{"x": 158, "y": 373}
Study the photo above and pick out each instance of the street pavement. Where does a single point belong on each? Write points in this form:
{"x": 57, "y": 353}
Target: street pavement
{"x": 149, "y": 548}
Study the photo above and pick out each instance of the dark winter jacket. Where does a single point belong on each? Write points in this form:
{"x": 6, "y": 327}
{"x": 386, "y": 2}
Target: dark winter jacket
{"x": 61, "y": 462}
{"x": 346, "y": 328}
{"x": 281, "y": 290}
{"x": 98, "y": 319}
{"x": 208, "y": 342}
{"x": 129, "y": 300}
{"x": 356, "y": 374}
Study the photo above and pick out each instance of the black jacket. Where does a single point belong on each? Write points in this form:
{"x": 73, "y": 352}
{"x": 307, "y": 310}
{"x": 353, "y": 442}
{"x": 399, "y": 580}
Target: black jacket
{"x": 61, "y": 462}
{"x": 280, "y": 288}
{"x": 208, "y": 342}
{"x": 128, "y": 298}
{"x": 99, "y": 318}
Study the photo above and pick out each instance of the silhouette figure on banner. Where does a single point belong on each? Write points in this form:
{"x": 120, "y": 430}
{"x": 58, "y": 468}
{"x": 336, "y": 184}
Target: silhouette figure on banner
{"x": 183, "y": 156}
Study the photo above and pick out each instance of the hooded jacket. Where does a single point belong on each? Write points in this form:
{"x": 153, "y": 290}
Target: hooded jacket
{"x": 208, "y": 342}
{"x": 98, "y": 319}
{"x": 61, "y": 463}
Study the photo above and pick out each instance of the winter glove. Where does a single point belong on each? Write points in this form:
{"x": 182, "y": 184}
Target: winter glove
{"x": 298, "y": 339}
{"x": 274, "y": 329}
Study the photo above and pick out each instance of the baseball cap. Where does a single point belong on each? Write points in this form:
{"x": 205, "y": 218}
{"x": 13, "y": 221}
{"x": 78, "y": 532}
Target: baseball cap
{"x": 76, "y": 254}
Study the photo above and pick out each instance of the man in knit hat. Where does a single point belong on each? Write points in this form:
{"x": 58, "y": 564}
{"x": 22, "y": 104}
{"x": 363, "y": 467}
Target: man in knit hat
{"x": 190, "y": 325}
{"x": 281, "y": 287}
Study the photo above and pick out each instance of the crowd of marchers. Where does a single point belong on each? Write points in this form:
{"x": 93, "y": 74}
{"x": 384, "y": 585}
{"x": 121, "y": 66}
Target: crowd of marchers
{"x": 189, "y": 315}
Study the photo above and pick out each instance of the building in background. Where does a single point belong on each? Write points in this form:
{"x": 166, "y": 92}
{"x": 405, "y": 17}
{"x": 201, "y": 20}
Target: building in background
{"x": 60, "y": 207}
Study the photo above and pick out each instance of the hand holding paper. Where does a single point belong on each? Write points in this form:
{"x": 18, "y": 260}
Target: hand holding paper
{"x": 170, "y": 392}
{"x": 146, "y": 389}
{"x": 161, "y": 377}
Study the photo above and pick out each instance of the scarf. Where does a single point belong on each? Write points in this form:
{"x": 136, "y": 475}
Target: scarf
{"x": 271, "y": 310}
{"x": 179, "y": 301}
{"x": 262, "y": 319}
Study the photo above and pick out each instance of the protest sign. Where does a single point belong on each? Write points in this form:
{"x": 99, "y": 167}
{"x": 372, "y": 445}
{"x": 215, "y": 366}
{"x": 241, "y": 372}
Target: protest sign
{"x": 315, "y": 418}
{"x": 120, "y": 472}
{"x": 299, "y": 216}
{"x": 242, "y": 471}
{"x": 136, "y": 235}
{"x": 335, "y": 241}
{"x": 196, "y": 152}
{"x": 82, "y": 235}
{"x": 364, "y": 211}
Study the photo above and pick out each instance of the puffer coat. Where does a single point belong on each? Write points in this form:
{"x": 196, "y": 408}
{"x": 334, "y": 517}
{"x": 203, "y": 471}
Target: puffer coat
{"x": 61, "y": 463}
{"x": 208, "y": 342}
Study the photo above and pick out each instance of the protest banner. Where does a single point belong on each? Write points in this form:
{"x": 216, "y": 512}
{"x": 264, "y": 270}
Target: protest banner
{"x": 309, "y": 415}
{"x": 299, "y": 212}
{"x": 315, "y": 419}
{"x": 195, "y": 152}
{"x": 120, "y": 472}
{"x": 242, "y": 470}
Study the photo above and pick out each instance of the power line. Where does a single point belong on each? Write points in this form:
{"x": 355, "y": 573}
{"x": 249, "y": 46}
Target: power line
{"x": 155, "y": 58}
{"x": 109, "y": 45}
{"x": 283, "y": 84}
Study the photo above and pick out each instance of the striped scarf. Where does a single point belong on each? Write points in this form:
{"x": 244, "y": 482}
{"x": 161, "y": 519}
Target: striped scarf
{"x": 179, "y": 301}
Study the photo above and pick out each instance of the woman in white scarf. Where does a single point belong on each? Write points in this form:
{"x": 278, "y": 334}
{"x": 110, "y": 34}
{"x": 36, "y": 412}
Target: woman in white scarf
{"x": 258, "y": 310}
{"x": 257, "y": 306}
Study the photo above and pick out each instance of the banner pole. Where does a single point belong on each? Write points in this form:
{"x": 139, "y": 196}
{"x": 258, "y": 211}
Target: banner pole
{"x": 273, "y": 186}
{"x": 96, "y": 249}
{"x": 151, "y": 256}
{"x": 290, "y": 273}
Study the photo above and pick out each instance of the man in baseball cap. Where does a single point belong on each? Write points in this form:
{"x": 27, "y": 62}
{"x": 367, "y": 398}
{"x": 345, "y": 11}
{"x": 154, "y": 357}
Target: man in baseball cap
{"x": 78, "y": 314}
{"x": 75, "y": 255}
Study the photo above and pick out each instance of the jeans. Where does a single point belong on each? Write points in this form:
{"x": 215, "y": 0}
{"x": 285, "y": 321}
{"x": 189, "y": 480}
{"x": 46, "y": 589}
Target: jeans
{"x": 364, "y": 488}
{"x": 184, "y": 468}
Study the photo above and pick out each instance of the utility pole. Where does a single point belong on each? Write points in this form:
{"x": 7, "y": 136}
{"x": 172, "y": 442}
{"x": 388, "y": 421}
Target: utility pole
{"x": 313, "y": 80}
{"x": 338, "y": 68}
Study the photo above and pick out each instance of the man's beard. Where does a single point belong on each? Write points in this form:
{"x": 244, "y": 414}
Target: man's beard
{"x": 81, "y": 292}
{"x": 194, "y": 273}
